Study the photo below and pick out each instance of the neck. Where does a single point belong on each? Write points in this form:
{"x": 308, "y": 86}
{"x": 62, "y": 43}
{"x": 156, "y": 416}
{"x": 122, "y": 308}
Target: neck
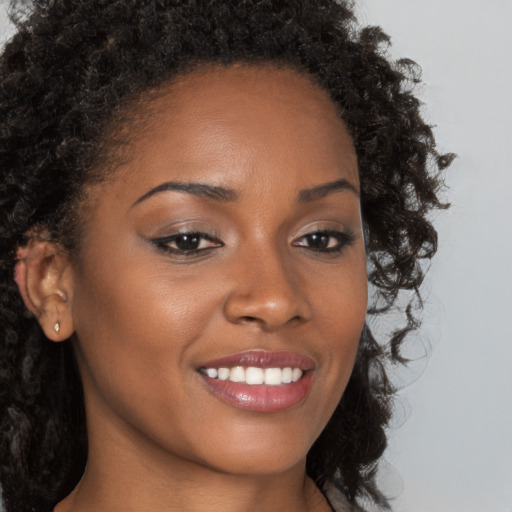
{"x": 125, "y": 474}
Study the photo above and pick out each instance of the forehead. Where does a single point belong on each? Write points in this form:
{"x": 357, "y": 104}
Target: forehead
{"x": 228, "y": 116}
{"x": 265, "y": 132}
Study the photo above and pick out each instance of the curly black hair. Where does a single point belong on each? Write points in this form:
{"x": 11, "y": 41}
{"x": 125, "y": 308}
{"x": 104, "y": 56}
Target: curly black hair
{"x": 67, "y": 75}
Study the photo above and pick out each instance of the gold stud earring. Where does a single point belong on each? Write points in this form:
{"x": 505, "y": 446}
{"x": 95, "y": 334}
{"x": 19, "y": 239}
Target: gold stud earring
{"x": 56, "y": 327}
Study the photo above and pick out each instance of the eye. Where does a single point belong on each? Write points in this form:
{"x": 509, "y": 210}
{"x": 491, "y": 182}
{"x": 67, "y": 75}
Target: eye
{"x": 187, "y": 244}
{"x": 326, "y": 241}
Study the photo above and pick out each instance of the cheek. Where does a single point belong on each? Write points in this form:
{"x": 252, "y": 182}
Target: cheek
{"x": 340, "y": 311}
{"x": 135, "y": 324}
{"x": 341, "y": 297}
{"x": 127, "y": 298}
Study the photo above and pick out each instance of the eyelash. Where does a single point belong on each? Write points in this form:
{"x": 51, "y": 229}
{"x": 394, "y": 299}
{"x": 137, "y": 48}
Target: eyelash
{"x": 343, "y": 238}
{"x": 164, "y": 243}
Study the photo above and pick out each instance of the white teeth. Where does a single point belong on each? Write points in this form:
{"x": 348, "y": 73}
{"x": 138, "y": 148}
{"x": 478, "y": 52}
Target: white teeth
{"x": 212, "y": 372}
{"x": 287, "y": 375}
{"x": 273, "y": 376}
{"x": 237, "y": 374}
{"x": 223, "y": 373}
{"x": 254, "y": 376}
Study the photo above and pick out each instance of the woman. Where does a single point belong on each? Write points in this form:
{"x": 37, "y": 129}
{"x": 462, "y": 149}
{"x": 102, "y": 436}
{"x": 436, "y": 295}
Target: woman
{"x": 193, "y": 192}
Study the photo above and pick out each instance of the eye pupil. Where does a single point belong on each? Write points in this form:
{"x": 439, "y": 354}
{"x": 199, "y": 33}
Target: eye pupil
{"x": 318, "y": 240}
{"x": 187, "y": 242}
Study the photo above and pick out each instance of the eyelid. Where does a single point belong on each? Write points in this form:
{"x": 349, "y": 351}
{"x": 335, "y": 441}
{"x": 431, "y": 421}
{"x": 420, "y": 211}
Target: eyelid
{"x": 321, "y": 226}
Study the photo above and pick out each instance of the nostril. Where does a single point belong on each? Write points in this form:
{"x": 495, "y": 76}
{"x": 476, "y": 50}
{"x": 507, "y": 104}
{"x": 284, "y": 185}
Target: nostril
{"x": 268, "y": 324}
{"x": 246, "y": 319}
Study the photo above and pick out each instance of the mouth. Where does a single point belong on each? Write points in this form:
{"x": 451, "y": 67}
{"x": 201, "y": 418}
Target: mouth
{"x": 253, "y": 376}
{"x": 260, "y": 381}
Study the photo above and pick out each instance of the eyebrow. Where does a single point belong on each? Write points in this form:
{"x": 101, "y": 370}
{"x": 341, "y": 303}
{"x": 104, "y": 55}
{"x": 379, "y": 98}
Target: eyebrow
{"x": 228, "y": 195}
{"x": 196, "y": 189}
{"x": 320, "y": 191}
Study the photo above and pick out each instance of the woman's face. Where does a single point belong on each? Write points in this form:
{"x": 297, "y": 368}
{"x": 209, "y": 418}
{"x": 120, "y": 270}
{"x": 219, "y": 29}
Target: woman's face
{"x": 228, "y": 248}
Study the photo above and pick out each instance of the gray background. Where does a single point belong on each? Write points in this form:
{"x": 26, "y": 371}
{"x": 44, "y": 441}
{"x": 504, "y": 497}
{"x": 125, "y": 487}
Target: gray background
{"x": 451, "y": 442}
{"x": 454, "y": 451}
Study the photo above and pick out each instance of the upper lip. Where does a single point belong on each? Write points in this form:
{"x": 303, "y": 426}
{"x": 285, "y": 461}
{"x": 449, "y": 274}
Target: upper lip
{"x": 263, "y": 359}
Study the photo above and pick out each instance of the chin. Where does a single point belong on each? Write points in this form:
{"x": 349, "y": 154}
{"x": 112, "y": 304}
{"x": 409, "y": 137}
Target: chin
{"x": 259, "y": 451}
{"x": 260, "y": 464}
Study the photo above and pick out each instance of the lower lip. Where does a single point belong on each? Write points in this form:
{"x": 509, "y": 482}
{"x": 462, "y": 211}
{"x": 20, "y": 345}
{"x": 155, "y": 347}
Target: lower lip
{"x": 261, "y": 398}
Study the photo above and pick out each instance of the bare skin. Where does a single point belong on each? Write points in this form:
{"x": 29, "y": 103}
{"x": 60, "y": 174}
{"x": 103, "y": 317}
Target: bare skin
{"x": 276, "y": 265}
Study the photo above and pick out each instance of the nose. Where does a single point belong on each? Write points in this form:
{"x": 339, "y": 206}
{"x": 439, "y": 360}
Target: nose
{"x": 267, "y": 292}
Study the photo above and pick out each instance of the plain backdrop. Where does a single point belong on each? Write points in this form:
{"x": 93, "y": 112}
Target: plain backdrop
{"x": 454, "y": 451}
{"x": 451, "y": 442}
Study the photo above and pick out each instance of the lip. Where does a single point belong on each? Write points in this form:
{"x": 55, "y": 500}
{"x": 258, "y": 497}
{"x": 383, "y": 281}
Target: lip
{"x": 263, "y": 359}
{"x": 262, "y": 398}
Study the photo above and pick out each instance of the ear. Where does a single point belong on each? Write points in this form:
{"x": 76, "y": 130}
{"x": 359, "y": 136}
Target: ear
{"x": 44, "y": 277}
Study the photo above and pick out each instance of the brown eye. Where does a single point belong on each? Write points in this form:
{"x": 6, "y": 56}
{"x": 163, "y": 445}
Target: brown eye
{"x": 319, "y": 240}
{"x": 328, "y": 241}
{"x": 187, "y": 244}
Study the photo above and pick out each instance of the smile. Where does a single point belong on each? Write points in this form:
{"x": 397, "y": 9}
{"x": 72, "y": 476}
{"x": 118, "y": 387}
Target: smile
{"x": 260, "y": 381}
{"x": 254, "y": 375}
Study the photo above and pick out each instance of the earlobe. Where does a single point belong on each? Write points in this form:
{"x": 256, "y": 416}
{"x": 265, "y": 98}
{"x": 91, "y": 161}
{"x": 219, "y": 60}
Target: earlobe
{"x": 43, "y": 275}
